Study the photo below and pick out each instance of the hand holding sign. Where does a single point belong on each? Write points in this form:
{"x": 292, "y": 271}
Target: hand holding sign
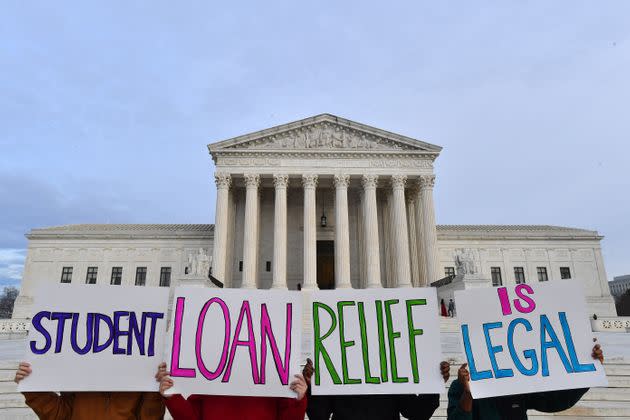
{"x": 81, "y": 332}
{"x": 524, "y": 339}
{"x": 23, "y": 371}
{"x": 382, "y": 341}
{"x": 233, "y": 342}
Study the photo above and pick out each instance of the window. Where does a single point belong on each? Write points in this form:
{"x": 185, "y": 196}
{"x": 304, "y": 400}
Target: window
{"x": 496, "y": 276}
{"x": 240, "y": 266}
{"x": 165, "y": 277}
{"x": 66, "y": 274}
{"x": 90, "y": 278}
{"x": 519, "y": 275}
{"x": 141, "y": 276}
{"x": 542, "y": 273}
{"x": 116, "y": 275}
{"x": 268, "y": 266}
{"x": 449, "y": 271}
{"x": 565, "y": 273}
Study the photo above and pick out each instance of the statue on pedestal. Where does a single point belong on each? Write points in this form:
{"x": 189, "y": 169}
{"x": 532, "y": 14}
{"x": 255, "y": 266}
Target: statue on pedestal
{"x": 465, "y": 262}
{"x": 198, "y": 264}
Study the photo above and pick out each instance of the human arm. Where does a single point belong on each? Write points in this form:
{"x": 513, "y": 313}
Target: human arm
{"x": 318, "y": 407}
{"x": 418, "y": 407}
{"x": 294, "y": 408}
{"x": 554, "y": 401}
{"x": 47, "y": 405}
{"x": 152, "y": 406}
{"x": 466, "y": 399}
{"x": 422, "y": 407}
{"x": 455, "y": 410}
{"x": 178, "y": 406}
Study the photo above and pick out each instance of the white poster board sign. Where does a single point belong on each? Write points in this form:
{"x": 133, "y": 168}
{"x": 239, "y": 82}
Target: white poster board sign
{"x": 235, "y": 341}
{"x": 96, "y": 338}
{"x": 376, "y": 341}
{"x": 527, "y": 338}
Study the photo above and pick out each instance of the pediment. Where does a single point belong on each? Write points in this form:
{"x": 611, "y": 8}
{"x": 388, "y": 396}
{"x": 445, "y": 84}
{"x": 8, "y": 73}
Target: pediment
{"x": 324, "y": 132}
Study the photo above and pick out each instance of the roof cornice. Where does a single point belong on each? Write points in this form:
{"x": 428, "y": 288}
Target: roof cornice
{"x": 225, "y": 145}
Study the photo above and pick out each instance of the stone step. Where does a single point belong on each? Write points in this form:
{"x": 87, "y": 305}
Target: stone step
{"x": 594, "y": 394}
{"x": 11, "y": 400}
{"x": 581, "y": 409}
{"x": 598, "y": 409}
{"x": 607, "y": 394}
{"x": 7, "y": 375}
{"x": 7, "y": 387}
{"x": 9, "y": 365}
{"x": 23, "y": 413}
{"x": 618, "y": 381}
{"x": 617, "y": 369}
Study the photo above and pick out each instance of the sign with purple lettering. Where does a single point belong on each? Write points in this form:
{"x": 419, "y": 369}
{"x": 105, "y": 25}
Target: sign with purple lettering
{"x": 376, "y": 341}
{"x": 234, "y": 341}
{"x": 96, "y": 338}
{"x": 527, "y": 338}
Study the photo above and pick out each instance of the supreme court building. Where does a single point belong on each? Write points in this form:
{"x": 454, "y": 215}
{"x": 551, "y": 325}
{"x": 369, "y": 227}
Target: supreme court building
{"x": 323, "y": 202}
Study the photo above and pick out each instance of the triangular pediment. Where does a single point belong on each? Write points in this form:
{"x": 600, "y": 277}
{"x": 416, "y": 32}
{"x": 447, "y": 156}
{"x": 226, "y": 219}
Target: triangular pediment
{"x": 324, "y": 132}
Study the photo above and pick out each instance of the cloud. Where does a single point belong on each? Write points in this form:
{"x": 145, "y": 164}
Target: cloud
{"x": 31, "y": 202}
{"x": 11, "y": 266}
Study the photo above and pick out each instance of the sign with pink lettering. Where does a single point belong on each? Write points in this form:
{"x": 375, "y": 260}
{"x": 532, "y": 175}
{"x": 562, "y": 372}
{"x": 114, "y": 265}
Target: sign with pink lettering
{"x": 527, "y": 338}
{"x": 95, "y": 338}
{"x": 234, "y": 341}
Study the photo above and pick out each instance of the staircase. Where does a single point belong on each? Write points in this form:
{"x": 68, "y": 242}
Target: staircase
{"x": 612, "y": 403}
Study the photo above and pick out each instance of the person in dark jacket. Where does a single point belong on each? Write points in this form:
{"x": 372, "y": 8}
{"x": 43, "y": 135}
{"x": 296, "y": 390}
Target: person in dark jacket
{"x": 91, "y": 405}
{"x": 375, "y": 407}
{"x": 461, "y": 405}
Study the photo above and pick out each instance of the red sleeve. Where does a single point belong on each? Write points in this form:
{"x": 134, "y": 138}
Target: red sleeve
{"x": 291, "y": 408}
{"x": 182, "y": 409}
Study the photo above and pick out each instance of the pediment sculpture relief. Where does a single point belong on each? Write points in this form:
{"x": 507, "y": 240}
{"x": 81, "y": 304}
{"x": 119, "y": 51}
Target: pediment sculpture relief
{"x": 323, "y": 136}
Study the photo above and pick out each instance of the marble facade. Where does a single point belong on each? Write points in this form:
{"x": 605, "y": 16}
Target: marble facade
{"x": 374, "y": 189}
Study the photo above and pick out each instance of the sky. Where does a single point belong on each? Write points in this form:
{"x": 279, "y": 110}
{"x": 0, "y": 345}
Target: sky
{"x": 106, "y": 109}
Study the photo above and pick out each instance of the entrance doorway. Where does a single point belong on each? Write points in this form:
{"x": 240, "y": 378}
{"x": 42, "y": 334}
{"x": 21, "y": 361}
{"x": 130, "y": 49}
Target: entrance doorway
{"x": 326, "y": 264}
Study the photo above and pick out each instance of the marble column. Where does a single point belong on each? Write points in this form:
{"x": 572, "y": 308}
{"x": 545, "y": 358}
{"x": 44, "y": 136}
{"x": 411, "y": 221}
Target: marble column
{"x": 250, "y": 227}
{"x": 342, "y": 233}
{"x": 429, "y": 235}
{"x": 421, "y": 257}
{"x": 280, "y": 181}
{"x": 370, "y": 230}
{"x": 401, "y": 239}
{"x": 219, "y": 257}
{"x": 413, "y": 242}
{"x": 309, "y": 182}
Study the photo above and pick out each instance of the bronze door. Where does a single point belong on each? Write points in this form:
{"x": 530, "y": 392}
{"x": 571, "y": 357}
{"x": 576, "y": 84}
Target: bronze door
{"x": 326, "y": 264}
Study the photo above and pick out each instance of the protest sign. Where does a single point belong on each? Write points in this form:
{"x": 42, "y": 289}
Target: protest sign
{"x": 376, "y": 341}
{"x": 96, "y": 338}
{"x": 527, "y": 338}
{"x": 235, "y": 341}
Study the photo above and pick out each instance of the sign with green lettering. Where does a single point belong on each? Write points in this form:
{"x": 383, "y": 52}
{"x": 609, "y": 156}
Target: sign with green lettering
{"x": 376, "y": 341}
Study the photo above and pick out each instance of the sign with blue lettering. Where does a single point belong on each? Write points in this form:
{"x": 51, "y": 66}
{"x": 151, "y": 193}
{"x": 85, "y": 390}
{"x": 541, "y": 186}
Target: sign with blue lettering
{"x": 96, "y": 338}
{"x": 527, "y": 338}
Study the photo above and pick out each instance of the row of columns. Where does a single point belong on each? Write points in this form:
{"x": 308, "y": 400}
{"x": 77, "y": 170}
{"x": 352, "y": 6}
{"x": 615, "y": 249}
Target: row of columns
{"x": 414, "y": 241}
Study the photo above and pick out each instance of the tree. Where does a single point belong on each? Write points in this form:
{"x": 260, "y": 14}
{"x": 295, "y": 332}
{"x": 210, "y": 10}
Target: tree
{"x": 7, "y": 300}
{"x": 623, "y": 304}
